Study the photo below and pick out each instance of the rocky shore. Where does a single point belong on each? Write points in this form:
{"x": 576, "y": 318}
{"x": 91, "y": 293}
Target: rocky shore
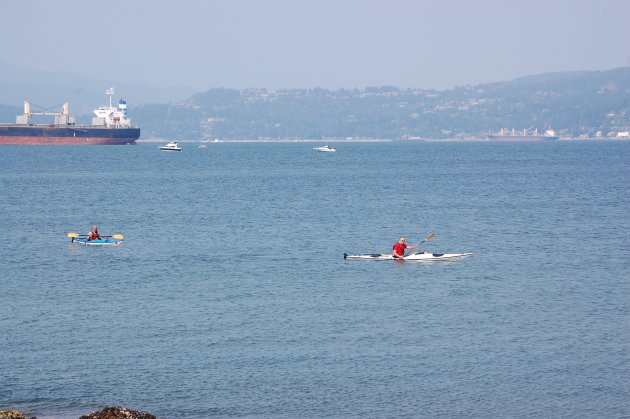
{"x": 11, "y": 414}
{"x": 112, "y": 412}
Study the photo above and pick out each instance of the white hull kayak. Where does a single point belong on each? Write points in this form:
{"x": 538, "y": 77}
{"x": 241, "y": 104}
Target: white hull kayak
{"x": 413, "y": 256}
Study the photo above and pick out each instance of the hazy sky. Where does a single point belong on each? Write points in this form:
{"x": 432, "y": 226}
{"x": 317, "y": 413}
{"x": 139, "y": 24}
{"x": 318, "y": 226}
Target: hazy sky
{"x": 315, "y": 43}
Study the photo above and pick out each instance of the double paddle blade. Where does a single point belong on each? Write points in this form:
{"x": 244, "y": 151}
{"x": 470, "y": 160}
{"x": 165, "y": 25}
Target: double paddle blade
{"x": 428, "y": 238}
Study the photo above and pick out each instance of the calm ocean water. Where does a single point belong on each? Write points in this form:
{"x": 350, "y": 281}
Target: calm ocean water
{"x": 230, "y": 296}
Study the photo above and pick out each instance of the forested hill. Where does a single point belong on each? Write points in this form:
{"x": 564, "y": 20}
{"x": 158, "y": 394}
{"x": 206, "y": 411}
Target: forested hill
{"x": 589, "y": 104}
{"x": 573, "y": 104}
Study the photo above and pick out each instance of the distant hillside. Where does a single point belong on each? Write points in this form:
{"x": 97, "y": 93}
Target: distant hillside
{"x": 573, "y": 104}
{"x": 586, "y": 103}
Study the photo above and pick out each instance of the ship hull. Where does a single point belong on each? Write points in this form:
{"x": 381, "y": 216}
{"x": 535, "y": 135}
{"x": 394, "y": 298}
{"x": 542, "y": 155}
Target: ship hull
{"x": 75, "y": 135}
{"x": 521, "y": 138}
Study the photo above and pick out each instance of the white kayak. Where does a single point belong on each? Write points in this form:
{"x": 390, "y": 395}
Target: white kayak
{"x": 413, "y": 256}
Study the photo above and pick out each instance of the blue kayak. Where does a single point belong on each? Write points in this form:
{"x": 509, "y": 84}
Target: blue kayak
{"x": 106, "y": 241}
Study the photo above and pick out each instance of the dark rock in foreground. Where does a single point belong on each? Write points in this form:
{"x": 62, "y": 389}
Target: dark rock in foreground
{"x": 117, "y": 412}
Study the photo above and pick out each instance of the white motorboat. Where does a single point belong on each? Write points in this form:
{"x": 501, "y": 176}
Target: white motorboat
{"x": 172, "y": 146}
{"x": 325, "y": 148}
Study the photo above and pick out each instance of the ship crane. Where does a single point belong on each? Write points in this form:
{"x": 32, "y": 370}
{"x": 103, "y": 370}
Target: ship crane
{"x": 529, "y": 130}
{"x": 61, "y": 118}
{"x": 27, "y": 110}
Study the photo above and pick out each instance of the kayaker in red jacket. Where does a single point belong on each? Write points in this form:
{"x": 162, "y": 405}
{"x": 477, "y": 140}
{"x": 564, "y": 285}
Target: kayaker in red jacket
{"x": 399, "y": 248}
{"x": 93, "y": 234}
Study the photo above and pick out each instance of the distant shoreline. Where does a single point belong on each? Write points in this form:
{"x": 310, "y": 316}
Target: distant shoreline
{"x": 367, "y": 140}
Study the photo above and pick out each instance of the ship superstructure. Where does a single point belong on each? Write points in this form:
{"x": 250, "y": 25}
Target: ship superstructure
{"x": 110, "y": 116}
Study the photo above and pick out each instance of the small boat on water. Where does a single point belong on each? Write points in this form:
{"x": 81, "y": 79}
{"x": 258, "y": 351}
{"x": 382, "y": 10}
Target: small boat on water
{"x": 325, "y": 148}
{"x": 172, "y": 146}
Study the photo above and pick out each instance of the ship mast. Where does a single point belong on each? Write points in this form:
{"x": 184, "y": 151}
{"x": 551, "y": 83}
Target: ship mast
{"x": 110, "y": 93}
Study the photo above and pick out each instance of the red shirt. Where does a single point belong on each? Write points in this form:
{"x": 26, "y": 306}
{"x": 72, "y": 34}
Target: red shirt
{"x": 399, "y": 248}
